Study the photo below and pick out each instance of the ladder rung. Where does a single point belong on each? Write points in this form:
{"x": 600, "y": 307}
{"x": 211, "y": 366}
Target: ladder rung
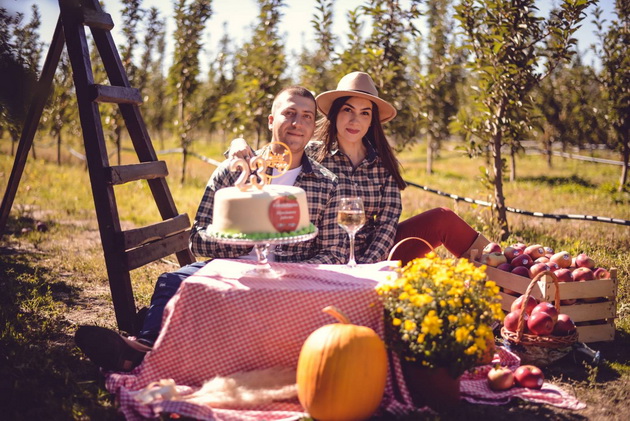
{"x": 100, "y": 20}
{"x": 121, "y": 174}
{"x": 115, "y": 94}
{"x": 138, "y": 236}
{"x": 150, "y": 252}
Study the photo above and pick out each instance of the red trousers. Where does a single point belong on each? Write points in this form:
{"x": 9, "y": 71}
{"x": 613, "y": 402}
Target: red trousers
{"x": 439, "y": 226}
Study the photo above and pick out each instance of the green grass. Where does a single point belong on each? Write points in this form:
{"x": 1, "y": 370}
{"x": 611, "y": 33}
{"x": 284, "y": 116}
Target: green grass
{"x": 55, "y": 280}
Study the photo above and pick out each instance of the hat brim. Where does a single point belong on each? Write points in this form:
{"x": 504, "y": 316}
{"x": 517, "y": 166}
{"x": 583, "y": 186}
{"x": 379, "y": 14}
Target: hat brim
{"x": 325, "y": 100}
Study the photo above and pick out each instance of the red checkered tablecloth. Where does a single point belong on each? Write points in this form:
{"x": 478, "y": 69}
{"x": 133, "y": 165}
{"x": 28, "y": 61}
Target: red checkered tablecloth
{"x": 223, "y": 321}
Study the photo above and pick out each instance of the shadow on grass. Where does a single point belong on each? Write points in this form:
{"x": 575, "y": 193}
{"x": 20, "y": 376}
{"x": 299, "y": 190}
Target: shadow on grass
{"x": 558, "y": 181}
{"x": 41, "y": 374}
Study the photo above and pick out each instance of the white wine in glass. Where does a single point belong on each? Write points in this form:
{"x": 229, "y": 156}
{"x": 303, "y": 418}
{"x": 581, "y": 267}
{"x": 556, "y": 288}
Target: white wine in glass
{"x": 351, "y": 217}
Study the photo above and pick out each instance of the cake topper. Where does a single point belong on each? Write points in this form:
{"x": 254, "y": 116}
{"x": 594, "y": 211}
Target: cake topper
{"x": 277, "y": 156}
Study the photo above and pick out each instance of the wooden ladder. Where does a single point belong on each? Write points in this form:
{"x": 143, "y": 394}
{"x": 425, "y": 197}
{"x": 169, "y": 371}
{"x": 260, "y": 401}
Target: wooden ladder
{"x": 123, "y": 250}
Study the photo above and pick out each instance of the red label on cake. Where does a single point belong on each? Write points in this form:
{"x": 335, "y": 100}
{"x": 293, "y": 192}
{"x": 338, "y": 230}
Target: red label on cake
{"x": 284, "y": 213}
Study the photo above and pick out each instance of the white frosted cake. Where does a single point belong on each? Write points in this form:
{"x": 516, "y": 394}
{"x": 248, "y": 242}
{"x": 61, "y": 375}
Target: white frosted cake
{"x": 273, "y": 211}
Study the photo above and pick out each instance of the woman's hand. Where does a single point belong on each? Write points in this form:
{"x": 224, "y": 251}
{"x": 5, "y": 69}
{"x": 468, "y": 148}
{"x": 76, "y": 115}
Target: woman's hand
{"x": 239, "y": 149}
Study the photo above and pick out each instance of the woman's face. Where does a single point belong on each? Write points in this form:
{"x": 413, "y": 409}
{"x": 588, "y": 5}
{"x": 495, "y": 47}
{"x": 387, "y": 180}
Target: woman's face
{"x": 353, "y": 120}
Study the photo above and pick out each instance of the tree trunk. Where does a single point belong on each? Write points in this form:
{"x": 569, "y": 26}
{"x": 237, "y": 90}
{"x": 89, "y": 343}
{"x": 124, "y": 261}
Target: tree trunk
{"x": 498, "y": 188}
{"x": 512, "y": 165}
{"x": 184, "y": 161}
{"x": 548, "y": 145}
{"x": 429, "y": 154}
{"x": 624, "y": 169}
{"x": 59, "y": 147}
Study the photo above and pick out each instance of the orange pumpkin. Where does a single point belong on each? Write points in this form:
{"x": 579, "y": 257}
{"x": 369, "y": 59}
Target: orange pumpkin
{"x": 341, "y": 371}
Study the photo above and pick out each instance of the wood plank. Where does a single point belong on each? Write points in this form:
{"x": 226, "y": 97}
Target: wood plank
{"x": 583, "y": 312}
{"x": 586, "y": 289}
{"x": 95, "y": 19}
{"x": 121, "y": 174}
{"x": 596, "y": 333}
{"x": 115, "y": 94}
{"x": 139, "y": 236}
{"x": 151, "y": 252}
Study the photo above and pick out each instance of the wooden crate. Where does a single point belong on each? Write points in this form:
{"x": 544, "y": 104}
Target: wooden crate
{"x": 595, "y": 320}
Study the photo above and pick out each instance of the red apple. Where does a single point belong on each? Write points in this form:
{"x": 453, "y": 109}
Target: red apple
{"x": 583, "y": 274}
{"x": 493, "y": 259}
{"x": 517, "y": 304}
{"x": 535, "y": 251}
{"x": 540, "y": 323}
{"x": 522, "y": 260}
{"x": 537, "y": 268}
{"x": 546, "y": 307}
{"x": 505, "y": 267}
{"x": 500, "y": 378}
{"x": 553, "y": 266}
{"x": 562, "y": 258}
{"x": 564, "y": 275}
{"x": 492, "y": 248}
{"x": 511, "y": 252}
{"x": 548, "y": 250}
{"x": 564, "y": 326}
{"x": 522, "y": 271}
{"x": 542, "y": 259}
{"x": 583, "y": 261}
{"x": 529, "y": 376}
{"x": 511, "y": 320}
{"x": 601, "y": 273}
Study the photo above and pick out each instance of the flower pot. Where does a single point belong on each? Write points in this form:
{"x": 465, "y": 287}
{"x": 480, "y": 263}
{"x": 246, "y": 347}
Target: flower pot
{"x": 432, "y": 387}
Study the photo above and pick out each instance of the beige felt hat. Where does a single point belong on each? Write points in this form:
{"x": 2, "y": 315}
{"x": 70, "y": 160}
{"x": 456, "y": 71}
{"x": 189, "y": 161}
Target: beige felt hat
{"x": 356, "y": 84}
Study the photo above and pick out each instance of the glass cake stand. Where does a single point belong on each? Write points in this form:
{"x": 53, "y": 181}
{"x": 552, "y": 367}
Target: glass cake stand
{"x": 263, "y": 269}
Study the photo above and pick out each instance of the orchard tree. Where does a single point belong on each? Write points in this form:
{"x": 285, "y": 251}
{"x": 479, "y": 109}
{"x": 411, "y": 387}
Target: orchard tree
{"x": 157, "y": 113}
{"x": 505, "y": 40}
{"x": 316, "y": 67}
{"x": 436, "y": 81}
{"x": 260, "y": 65}
{"x": 190, "y": 19}
{"x": 614, "y": 53}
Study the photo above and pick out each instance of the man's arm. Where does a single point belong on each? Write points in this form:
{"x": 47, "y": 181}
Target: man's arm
{"x": 200, "y": 244}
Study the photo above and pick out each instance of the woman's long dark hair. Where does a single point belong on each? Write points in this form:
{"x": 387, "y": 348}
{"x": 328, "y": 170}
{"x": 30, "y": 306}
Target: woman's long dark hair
{"x": 326, "y": 132}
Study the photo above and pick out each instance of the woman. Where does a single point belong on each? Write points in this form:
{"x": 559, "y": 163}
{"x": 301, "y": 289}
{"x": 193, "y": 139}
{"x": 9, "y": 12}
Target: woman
{"x": 351, "y": 143}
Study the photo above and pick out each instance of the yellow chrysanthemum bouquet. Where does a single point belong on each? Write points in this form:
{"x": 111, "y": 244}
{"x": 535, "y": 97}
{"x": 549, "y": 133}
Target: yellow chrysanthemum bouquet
{"x": 439, "y": 312}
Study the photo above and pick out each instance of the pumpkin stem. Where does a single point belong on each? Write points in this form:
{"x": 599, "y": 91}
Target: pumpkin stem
{"x": 337, "y": 314}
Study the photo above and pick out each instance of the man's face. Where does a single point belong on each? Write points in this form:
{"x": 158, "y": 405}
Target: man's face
{"x": 293, "y": 122}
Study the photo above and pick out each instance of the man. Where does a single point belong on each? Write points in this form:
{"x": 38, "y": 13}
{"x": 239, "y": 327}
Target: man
{"x": 292, "y": 121}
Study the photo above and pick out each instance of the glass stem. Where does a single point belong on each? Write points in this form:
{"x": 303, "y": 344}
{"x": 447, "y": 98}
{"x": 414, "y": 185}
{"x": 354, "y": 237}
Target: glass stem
{"x": 351, "y": 261}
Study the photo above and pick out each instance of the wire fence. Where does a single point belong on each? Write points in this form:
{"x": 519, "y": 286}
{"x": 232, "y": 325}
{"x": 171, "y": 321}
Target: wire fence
{"x": 555, "y": 216}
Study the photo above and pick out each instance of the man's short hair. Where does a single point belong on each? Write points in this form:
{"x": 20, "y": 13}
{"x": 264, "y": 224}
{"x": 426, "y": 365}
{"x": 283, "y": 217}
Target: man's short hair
{"x": 294, "y": 90}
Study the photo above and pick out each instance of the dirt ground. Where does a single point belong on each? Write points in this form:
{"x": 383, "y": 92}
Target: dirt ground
{"x": 71, "y": 252}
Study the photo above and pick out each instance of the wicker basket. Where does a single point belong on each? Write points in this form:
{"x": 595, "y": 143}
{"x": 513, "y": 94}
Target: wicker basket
{"x": 535, "y": 349}
{"x": 404, "y": 240}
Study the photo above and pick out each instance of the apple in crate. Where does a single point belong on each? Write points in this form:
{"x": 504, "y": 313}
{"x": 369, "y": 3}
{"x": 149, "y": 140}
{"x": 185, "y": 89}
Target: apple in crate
{"x": 537, "y": 268}
{"x": 564, "y": 326}
{"x": 542, "y": 259}
{"x": 535, "y": 251}
{"x": 522, "y": 271}
{"x": 540, "y": 324}
{"x": 583, "y": 261}
{"x": 548, "y": 251}
{"x": 529, "y": 376}
{"x": 562, "y": 258}
{"x": 529, "y": 304}
{"x": 514, "y": 250}
{"x": 493, "y": 259}
{"x": 601, "y": 273}
{"x": 492, "y": 248}
{"x": 511, "y": 320}
{"x": 506, "y": 267}
{"x": 583, "y": 274}
{"x": 546, "y": 307}
{"x": 500, "y": 378}
{"x": 522, "y": 260}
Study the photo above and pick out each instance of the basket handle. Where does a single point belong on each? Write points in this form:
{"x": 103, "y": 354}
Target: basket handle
{"x": 404, "y": 240}
{"x": 521, "y": 319}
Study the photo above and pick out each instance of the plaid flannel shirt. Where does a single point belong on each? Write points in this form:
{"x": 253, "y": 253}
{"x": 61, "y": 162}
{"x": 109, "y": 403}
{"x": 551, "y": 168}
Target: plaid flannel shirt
{"x": 323, "y": 190}
{"x": 381, "y": 200}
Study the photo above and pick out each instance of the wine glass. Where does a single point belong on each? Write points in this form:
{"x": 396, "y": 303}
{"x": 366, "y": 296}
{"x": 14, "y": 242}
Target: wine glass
{"x": 351, "y": 217}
